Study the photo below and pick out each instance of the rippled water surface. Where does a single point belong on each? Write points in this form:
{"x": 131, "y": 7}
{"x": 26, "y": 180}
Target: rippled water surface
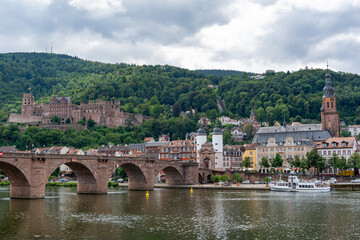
{"x": 177, "y": 214}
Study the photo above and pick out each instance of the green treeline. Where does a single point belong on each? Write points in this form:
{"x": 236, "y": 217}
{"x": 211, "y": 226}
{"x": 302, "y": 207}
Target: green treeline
{"x": 150, "y": 90}
{"x": 95, "y": 136}
{"x": 162, "y": 92}
{"x": 297, "y": 95}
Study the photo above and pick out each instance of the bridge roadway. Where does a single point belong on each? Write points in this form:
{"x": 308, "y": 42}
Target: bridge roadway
{"x": 28, "y": 172}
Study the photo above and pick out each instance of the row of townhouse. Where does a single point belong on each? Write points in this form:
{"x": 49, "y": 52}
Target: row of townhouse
{"x": 342, "y": 147}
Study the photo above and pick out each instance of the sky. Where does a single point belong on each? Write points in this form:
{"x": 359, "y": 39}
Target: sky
{"x": 245, "y": 35}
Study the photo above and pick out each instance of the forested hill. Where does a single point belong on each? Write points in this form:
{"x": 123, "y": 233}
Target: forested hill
{"x": 154, "y": 90}
{"x": 296, "y": 95}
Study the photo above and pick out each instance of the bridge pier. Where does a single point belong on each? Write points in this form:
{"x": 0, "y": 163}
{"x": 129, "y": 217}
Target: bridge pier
{"x": 191, "y": 173}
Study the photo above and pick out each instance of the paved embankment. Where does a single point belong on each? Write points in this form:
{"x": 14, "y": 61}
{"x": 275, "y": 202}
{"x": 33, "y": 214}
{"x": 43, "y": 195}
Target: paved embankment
{"x": 346, "y": 186}
{"x": 210, "y": 186}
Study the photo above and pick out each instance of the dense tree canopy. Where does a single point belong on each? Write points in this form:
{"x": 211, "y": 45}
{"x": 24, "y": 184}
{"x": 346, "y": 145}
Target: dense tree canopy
{"x": 163, "y": 92}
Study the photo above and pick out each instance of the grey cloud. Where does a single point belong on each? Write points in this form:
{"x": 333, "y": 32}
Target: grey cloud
{"x": 297, "y": 33}
{"x": 161, "y": 21}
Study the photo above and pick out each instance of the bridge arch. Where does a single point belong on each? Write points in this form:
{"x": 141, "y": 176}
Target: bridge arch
{"x": 19, "y": 183}
{"x": 136, "y": 177}
{"x": 87, "y": 182}
{"x": 173, "y": 175}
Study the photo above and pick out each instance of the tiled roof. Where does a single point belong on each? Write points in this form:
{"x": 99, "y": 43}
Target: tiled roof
{"x": 349, "y": 140}
{"x": 179, "y": 143}
{"x": 304, "y": 132}
{"x": 6, "y": 149}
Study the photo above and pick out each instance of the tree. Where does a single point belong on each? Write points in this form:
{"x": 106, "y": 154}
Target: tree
{"x": 321, "y": 164}
{"x": 264, "y": 162}
{"x": 176, "y": 109}
{"x": 333, "y": 161}
{"x": 260, "y": 114}
{"x": 91, "y": 123}
{"x": 68, "y": 121}
{"x": 277, "y": 161}
{"x": 215, "y": 178}
{"x": 313, "y": 158}
{"x": 342, "y": 164}
{"x": 304, "y": 164}
{"x": 227, "y": 137}
{"x": 249, "y": 130}
{"x": 236, "y": 177}
{"x": 224, "y": 178}
{"x": 56, "y": 119}
{"x": 345, "y": 133}
{"x": 296, "y": 162}
{"x": 120, "y": 173}
{"x": 156, "y": 110}
{"x": 354, "y": 161}
{"x": 247, "y": 162}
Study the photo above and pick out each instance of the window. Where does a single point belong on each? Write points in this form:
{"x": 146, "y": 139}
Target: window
{"x": 324, "y": 145}
{"x": 334, "y": 144}
{"x": 175, "y": 149}
{"x": 344, "y": 144}
{"x": 251, "y": 153}
{"x": 349, "y": 152}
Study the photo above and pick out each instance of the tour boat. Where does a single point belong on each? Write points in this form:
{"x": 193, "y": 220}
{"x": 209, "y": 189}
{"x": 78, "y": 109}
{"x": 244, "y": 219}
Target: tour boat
{"x": 294, "y": 185}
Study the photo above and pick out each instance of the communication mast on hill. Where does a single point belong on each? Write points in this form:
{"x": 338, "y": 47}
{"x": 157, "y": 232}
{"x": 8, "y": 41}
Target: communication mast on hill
{"x": 51, "y": 49}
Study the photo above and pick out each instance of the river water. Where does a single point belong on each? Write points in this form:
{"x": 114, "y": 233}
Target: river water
{"x": 178, "y": 214}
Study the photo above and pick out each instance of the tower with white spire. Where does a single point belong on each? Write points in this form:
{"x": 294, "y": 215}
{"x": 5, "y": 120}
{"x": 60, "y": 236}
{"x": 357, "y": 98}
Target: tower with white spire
{"x": 217, "y": 141}
{"x": 200, "y": 140}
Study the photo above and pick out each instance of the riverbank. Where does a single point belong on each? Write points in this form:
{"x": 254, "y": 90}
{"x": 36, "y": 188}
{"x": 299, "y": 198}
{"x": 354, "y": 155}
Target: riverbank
{"x": 209, "y": 186}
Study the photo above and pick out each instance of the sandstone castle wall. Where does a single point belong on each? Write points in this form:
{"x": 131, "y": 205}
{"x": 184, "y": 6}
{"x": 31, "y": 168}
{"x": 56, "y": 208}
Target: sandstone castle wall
{"x": 106, "y": 113}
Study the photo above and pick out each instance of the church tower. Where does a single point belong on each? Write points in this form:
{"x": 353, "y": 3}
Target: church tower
{"x": 329, "y": 115}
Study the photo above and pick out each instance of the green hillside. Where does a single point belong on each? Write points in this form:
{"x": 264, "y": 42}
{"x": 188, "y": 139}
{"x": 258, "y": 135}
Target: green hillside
{"x": 154, "y": 90}
{"x": 161, "y": 92}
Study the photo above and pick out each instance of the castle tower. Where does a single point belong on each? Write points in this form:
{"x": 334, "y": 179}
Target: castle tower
{"x": 217, "y": 141}
{"x": 200, "y": 140}
{"x": 329, "y": 115}
{"x": 27, "y": 105}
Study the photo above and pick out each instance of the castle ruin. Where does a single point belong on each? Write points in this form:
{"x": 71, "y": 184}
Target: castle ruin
{"x": 105, "y": 113}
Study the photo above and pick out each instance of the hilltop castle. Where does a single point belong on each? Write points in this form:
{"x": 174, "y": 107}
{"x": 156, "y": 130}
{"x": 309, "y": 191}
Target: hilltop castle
{"x": 106, "y": 113}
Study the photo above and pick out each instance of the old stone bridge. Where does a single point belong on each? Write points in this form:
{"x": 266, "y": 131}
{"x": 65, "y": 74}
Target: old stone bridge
{"x": 28, "y": 173}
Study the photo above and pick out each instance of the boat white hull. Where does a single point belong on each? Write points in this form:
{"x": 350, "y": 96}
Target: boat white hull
{"x": 289, "y": 189}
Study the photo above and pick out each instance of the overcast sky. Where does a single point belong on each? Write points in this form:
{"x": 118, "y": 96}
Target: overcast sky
{"x": 248, "y": 35}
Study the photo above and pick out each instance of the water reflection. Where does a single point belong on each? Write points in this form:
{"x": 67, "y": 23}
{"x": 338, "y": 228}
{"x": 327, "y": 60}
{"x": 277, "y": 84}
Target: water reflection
{"x": 177, "y": 214}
